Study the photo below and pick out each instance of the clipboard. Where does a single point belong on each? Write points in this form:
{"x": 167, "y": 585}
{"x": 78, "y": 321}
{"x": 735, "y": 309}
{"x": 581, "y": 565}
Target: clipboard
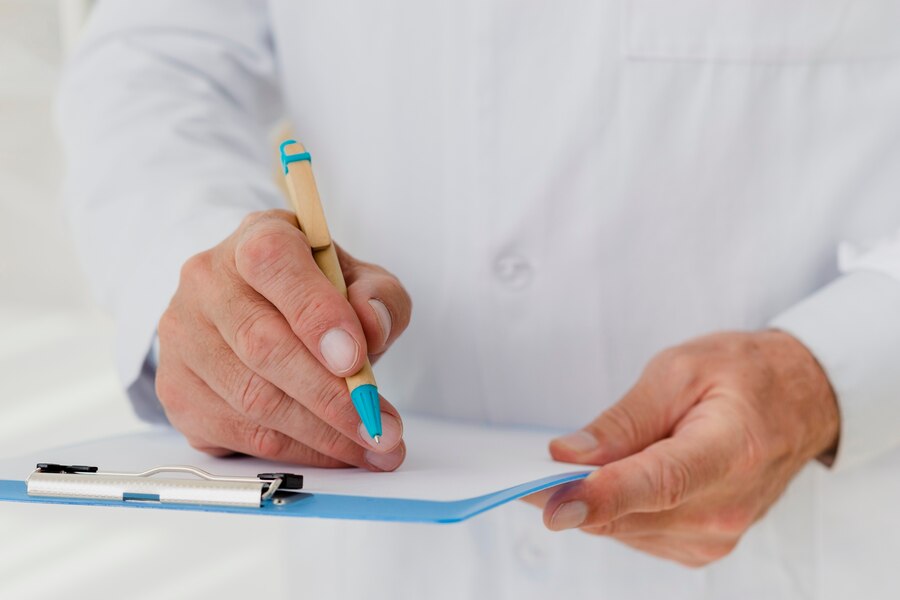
{"x": 454, "y": 471}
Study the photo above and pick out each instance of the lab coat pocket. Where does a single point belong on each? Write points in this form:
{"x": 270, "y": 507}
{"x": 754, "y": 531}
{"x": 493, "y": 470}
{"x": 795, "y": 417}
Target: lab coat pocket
{"x": 761, "y": 31}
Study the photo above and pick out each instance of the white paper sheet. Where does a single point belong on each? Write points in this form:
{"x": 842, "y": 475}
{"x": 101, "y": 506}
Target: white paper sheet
{"x": 446, "y": 460}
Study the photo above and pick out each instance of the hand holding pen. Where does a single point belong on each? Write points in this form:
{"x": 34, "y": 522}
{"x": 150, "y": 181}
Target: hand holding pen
{"x": 256, "y": 343}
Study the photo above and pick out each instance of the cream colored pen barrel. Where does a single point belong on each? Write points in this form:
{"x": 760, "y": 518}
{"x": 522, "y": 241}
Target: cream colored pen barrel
{"x": 329, "y": 264}
{"x": 304, "y": 198}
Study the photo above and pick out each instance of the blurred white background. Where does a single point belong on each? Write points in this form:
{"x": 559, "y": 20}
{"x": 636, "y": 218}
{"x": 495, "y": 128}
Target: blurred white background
{"x": 57, "y": 383}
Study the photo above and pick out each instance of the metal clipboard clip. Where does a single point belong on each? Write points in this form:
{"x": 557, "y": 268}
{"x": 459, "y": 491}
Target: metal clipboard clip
{"x": 89, "y": 483}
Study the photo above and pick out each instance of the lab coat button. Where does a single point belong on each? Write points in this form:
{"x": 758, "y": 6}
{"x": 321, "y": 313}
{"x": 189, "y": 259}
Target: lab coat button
{"x": 513, "y": 271}
{"x": 530, "y": 553}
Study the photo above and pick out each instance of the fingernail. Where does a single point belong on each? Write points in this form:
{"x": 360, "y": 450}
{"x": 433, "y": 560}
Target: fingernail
{"x": 391, "y": 432}
{"x": 578, "y": 441}
{"x": 339, "y": 350}
{"x": 385, "y": 462}
{"x": 384, "y": 318}
{"x": 568, "y": 515}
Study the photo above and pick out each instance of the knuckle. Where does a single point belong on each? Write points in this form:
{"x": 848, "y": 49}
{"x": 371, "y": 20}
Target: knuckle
{"x": 676, "y": 366}
{"x": 753, "y": 450}
{"x": 731, "y": 523}
{"x": 195, "y": 442}
{"x": 169, "y": 324}
{"x": 679, "y": 365}
{"x": 201, "y": 445}
{"x": 257, "y": 338}
{"x": 332, "y": 443}
{"x": 674, "y": 482}
{"x": 169, "y": 392}
{"x": 312, "y": 314}
{"x": 622, "y": 423}
{"x": 252, "y": 218}
{"x": 403, "y": 306}
{"x": 196, "y": 269}
{"x": 665, "y": 357}
{"x": 737, "y": 346}
{"x": 336, "y": 407}
{"x": 607, "y": 507}
{"x": 260, "y": 400}
{"x": 262, "y": 249}
{"x": 265, "y": 442}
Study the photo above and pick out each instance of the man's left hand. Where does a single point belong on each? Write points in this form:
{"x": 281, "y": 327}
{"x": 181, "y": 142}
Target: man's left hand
{"x": 700, "y": 448}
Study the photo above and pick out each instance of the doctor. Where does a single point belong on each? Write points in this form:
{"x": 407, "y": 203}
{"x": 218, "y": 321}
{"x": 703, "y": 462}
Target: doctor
{"x": 618, "y": 218}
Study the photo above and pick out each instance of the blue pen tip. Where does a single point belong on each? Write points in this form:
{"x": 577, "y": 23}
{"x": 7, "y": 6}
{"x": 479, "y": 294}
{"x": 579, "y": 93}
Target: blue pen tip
{"x": 365, "y": 400}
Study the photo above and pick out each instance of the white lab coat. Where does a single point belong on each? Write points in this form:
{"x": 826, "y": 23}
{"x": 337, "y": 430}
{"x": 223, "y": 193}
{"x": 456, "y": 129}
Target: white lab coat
{"x": 565, "y": 188}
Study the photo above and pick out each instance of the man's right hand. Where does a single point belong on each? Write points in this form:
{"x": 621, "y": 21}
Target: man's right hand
{"x": 256, "y": 341}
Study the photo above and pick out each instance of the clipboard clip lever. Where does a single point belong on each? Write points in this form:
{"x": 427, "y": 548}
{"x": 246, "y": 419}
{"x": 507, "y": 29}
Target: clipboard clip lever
{"x": 281, "y": 481}
{"x": 55, "y": 468}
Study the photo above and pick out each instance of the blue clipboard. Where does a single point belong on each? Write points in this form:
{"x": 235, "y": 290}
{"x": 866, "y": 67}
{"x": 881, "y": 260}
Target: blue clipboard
{"x": 507, "y": 450}
{"x": 330, "y": 506}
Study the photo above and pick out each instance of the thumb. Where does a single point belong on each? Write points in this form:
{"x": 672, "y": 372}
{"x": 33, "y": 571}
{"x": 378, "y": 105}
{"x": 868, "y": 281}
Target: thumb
{"x": 644, "y": 415}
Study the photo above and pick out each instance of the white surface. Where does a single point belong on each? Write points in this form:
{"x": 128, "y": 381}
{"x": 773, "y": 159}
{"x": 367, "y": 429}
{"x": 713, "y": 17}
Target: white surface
{"x": 445, "y": 461}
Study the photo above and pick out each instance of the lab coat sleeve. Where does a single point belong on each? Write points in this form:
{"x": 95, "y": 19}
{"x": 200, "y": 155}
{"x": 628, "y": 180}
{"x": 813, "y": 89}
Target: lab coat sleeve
{"x": 164, "y": 111}
{"x": 852, "y": 327}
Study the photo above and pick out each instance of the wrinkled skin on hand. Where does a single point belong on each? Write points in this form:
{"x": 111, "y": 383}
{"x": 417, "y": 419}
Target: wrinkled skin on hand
{"x": 700, "y": 448}
{"x": 256, "y": 341}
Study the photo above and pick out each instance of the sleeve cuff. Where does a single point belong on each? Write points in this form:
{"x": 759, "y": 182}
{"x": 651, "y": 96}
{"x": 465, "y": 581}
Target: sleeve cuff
{"x": 852, "y": 327}
{"x": 147, "y": 289}
{"x": 142, "y": 394}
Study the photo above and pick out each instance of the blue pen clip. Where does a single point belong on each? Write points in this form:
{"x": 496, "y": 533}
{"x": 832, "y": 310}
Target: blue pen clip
{"x": 287, "y": 159}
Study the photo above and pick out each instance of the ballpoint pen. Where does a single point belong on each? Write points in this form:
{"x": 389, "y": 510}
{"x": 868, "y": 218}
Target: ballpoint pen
{"x": 306, "y": 203}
